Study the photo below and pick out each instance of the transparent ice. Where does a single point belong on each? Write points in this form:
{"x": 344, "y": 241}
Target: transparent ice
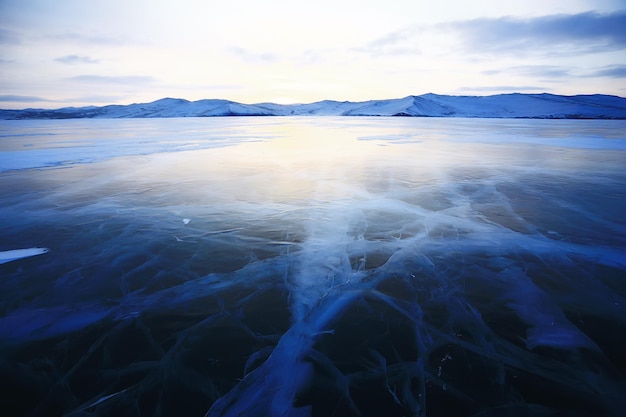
{"x": 314, "y": 267}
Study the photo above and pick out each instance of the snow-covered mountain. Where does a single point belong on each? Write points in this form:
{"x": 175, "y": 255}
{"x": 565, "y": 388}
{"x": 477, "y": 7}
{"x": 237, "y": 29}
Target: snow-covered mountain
{"x": 516, "y": 105}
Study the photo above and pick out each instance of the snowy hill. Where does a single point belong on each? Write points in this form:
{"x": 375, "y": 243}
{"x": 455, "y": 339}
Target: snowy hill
{"x": 428, "y": 105}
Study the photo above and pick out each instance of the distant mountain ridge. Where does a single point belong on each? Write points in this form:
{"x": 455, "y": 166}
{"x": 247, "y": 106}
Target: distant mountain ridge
{"x": 516, "y": 105}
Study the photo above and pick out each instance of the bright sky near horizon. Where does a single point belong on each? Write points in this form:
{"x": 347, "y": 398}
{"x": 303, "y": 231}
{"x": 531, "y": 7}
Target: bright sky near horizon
{"x": 75, "y": 52}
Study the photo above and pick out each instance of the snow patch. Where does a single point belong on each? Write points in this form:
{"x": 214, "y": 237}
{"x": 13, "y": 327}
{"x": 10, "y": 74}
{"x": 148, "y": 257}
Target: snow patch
{"x": 15, "y": 254}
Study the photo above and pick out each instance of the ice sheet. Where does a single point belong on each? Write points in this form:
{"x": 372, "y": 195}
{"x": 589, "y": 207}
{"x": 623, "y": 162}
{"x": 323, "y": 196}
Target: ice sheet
{"x": 436, "y": 268}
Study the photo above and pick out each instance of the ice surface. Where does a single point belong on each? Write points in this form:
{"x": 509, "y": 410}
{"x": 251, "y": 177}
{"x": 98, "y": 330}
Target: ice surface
{"x": 354, "y": 267}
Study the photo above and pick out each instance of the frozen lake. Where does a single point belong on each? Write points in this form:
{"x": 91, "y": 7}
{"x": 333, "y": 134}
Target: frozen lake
{"x": 313, "y": 266}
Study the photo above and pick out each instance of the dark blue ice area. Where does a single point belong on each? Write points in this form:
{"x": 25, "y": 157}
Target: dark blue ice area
{"x": 314, "y": 267}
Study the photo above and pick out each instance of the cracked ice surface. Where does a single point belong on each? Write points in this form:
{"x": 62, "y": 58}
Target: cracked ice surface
{"x": 313, "y": 266}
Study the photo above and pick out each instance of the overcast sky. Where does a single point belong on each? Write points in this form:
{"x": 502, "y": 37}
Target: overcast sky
{"x": 56, "y": 53}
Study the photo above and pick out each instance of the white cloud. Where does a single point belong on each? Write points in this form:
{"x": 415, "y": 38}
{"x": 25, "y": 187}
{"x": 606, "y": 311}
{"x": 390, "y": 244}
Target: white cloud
{"x": 581, "y": 33}
{"x": 109, "y": 79}
{"x": 21, "y": 99}
{"x": 612, "y": 71}
{"x": 76, "y": 59}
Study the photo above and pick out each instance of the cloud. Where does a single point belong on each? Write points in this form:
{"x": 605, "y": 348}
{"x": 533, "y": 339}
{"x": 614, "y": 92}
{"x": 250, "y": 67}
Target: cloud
{"x": 94, "y": 99}
{"x": 76, "y": 59}
{"x": 400, "y": 42}
{"x": 110, "y": 79}
{"x": 508, "y": 88}
{"x": 587, "y": 32}
{"x": 554, "y": 71}
{"x": 250, "y": 56}
{"x": 548, "y": 71}
{"x": 556, "y": 35}
{"x": 9, "y": 37}
{"x": 611, "y": 71}
{"x": 85, "y": 39}
{"x": 21, "y": 99}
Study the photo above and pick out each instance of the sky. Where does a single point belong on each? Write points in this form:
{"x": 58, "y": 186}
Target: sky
{"x": 60, "y": 53}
